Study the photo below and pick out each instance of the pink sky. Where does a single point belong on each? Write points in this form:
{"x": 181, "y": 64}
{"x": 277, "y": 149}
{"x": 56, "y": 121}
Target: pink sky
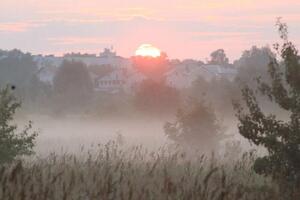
{"x": 182, "y": 28}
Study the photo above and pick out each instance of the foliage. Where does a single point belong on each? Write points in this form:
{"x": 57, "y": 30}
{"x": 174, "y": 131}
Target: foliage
{"x": 200, "y": 87}
{"x": 39, "y": 96}
{"x": 73, "y": 87}
{"x": 11, "y": 143}
{"x": 157, "y": 97}
{"x": 16, "y": 68}
{"x": 252, "y": 64}
{"x": 280, "y": 138}
{"x": 218, "y": 91}
{"x": 196, "y": 126}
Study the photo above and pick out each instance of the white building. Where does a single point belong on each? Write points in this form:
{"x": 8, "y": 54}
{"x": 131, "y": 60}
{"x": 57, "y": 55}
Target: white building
{"x": 122, "y": 79}
{"x": 113, "y": 82}
{"x": 48, "y": 66}
{"x": 46, "y": 74}
{"x": 45, "y": 61}
{"x": 107, "y": 57}
{"x": 182, "y": 75}
{"x": 219, "y": 71}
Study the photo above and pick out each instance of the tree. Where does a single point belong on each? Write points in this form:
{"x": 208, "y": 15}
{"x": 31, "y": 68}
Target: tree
{"x": 200, "y": 87}
{"x": 73, "y": 87}
{"x": 218, "y": 91}
{"x": 281, "y": 138}
{"x": 16, "y": 68}
{"x": 219, "y": 57}
{"x": 252, "y": 64}
{"x": 156, "y": 97}
{"x": 39, "y": 95}
{"x": 11, "y": 143}
{"x": 195, "y": 127}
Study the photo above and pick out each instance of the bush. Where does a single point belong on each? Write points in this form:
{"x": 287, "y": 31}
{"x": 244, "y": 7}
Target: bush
{"x": 196, "y": 127}
{"x": 11, "y": 143}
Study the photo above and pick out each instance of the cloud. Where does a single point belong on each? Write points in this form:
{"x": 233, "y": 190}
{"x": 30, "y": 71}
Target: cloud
{"x": 18, "y": 26}
{"x": 79, "y": 41}
{"x": 223, "y": 35}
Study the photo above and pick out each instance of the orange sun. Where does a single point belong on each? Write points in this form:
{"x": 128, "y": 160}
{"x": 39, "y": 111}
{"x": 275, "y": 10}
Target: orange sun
{"x": 147, "y": 50}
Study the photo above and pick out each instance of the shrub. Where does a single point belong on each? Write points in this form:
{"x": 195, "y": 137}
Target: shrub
{"x": 11, "y": 143}
{"x": 195, "y": 126}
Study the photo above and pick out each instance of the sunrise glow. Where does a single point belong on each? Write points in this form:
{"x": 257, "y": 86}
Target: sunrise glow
{"x": 147, "y": 50}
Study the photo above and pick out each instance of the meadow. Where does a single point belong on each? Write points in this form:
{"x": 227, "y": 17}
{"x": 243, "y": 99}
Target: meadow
{"x": 115, "y": 171}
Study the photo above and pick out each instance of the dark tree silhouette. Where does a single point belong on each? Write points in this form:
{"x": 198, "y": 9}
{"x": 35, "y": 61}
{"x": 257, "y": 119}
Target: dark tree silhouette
{"x": 280, "y": 138}
{"x": 16, "y": 68}
{"x": 73, "y": 87}
{"x": 156, "y": 97}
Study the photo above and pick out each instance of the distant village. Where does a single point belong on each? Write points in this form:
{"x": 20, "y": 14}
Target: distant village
{"x": 122, "y": 76}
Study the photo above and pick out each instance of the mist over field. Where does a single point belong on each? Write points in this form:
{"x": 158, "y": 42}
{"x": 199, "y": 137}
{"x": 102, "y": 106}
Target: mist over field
{"x": 71, "y": 134}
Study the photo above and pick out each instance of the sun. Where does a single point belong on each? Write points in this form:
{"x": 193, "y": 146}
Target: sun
{"x": 147, "y": 50}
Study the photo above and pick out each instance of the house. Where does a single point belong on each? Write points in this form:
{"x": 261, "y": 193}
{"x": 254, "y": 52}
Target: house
{"x": 219, "y": 71}
{"x": 112, "y": 83}
{"x": 182, "y": 75}
{"x": 107, "y": 57}
{"x": 119, "y": 80}
{"x": 49, "y": 60}
{"x": 47, "y": 67}
{"x": 46, "y": 74}
{"x": 112, "y": 73}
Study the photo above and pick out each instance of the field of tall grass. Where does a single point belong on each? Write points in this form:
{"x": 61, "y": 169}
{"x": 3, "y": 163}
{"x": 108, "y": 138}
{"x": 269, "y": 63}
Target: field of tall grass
{"x": 115, "y": 172}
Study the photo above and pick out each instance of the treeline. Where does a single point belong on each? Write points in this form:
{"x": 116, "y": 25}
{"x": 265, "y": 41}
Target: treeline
{"x": 72, "y": 90}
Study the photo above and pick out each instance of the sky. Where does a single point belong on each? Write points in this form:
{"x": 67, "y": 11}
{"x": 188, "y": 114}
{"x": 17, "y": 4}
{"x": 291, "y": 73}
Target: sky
{"x": 182, "y": 28}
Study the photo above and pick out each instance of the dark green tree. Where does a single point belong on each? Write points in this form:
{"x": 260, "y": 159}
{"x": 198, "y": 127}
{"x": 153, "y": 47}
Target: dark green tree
{"x": 16, "y": 68}
{"x": 73, "y": 86}
{"x": 156, "y": 97}
{"x": 13, "y": 144}
{"x": 280, "y": 137}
